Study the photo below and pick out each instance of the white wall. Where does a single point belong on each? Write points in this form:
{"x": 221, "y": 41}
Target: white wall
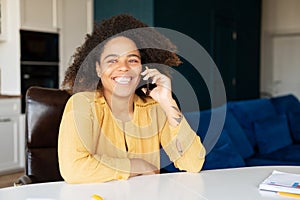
{"x": 280, "y": 53}
{"x": 76, "y": 19}
{"x": 10, "y": 51}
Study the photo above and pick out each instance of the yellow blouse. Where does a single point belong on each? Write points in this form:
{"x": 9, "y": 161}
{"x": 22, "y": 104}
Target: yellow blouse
{"x": 94, "y": 146}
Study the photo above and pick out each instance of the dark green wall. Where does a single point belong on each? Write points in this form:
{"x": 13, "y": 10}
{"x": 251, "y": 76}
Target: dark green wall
{"x": 191, "y": 18}
{"x": 142, "y": 10}
{"x": 211, "y": 23}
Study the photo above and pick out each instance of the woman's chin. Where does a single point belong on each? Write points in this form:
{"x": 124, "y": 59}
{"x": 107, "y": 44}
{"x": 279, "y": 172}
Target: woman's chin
{"x": 123, "y": 92}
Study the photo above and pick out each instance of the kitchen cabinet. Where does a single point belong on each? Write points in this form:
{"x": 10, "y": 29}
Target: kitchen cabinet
{"x": 2, "y": 20}
{"x": 280, "y": 45}
{"x": 39, "y": 15}
{"x": 76, "y": 20}
{"x": 281, "y": 16}
{"x": 11, "y": 141}
{"x": 71, "y": 19}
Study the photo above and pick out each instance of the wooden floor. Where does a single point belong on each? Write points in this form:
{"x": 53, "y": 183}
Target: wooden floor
{"x": 8, "y": 180}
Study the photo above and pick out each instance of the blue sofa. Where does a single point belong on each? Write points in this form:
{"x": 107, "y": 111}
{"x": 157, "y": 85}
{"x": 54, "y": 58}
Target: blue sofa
{"x": 256, "y": 132}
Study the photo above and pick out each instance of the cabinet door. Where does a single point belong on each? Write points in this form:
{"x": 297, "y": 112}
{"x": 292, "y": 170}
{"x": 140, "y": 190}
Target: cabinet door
{"x": 3, "y": 14}
{"x": 40, "y": 15}
{"x": 225, "y": 37}
{"x": 286, "y": 61}
{"x": 76, "y": 21}
{"x": 9, "y": 154}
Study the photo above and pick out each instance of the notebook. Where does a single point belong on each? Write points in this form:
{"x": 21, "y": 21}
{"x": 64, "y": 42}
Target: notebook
{"x": 282, "y": 182}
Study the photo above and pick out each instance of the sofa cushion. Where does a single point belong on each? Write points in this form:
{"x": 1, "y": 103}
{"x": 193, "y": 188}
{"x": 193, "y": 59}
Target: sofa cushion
{"x": 286, "y": 103}
{"x": 238, "y": 136}
{"x": 285, "y": 156}
{"x": 248, "y": 111}
{"x": 272, "y": 133}
{"x": 223, "y": 155}
{"x": 289, "y": 105}
{"x": 256, "y": 161}
{"x": 288, "y": 153}
{"x": 199, "y": 121}
{"x": 294, "y": 122}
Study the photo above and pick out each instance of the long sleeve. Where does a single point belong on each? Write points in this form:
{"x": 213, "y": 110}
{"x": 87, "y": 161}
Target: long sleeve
{"x": 78, "y": 160}
{"x": 192, "y": 153}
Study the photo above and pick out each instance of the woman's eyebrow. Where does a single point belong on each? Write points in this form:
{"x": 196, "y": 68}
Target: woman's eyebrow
{"x": 116, "y": 55}
{"x": 134, "y": 55}
{"x": 110, "y": 55}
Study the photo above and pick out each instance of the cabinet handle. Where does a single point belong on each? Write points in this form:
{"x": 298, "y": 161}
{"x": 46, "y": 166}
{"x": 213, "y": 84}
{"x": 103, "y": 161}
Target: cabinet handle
{"x": 5, "y": 120}
{"x": 26, "y": 76}
{"x": 234, "y": 35}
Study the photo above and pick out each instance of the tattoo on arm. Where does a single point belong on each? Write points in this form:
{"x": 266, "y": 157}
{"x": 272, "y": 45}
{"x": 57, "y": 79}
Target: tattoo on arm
{"x": 175, "y": 108}
{"x": 179, "y": 117}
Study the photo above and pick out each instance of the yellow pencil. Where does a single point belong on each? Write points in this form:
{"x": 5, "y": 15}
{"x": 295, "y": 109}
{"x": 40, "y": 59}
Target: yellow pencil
{"x": 97, "y": 197}
{"x": 289, "y": 194}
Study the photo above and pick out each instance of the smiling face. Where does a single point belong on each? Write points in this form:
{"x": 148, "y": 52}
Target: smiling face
{"x": 119, "y": 68}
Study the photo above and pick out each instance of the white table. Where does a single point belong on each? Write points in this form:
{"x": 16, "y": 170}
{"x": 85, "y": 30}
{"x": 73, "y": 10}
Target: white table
{"x": 231, "y": 184}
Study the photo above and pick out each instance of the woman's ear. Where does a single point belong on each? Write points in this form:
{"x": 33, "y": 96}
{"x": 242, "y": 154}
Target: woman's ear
{"x": 98, "y": 69}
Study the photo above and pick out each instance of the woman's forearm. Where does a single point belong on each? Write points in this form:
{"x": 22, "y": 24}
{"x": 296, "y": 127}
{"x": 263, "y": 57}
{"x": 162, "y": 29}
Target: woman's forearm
{"x": 172, "y": 111}
{"x": 141, "y": 167}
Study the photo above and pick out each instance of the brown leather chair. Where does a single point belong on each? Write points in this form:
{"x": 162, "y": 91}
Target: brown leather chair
{"x": 44, "y": 109}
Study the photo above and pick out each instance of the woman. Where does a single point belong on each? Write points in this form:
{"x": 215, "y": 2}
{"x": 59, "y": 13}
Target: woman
{"x": 111, "y": 130}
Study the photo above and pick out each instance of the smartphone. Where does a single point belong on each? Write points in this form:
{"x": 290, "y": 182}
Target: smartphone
{"x": 147, "y": 84}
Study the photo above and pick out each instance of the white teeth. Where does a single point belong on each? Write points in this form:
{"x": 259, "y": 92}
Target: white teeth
{"x": 122, "y": 80}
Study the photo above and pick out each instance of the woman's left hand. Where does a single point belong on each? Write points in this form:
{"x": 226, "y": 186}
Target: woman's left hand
{"x": 163, "y": 90}
{"x": 162, "y": 93}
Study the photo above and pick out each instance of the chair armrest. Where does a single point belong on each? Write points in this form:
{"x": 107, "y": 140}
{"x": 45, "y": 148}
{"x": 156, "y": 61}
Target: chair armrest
{"x": 23, "y": 180}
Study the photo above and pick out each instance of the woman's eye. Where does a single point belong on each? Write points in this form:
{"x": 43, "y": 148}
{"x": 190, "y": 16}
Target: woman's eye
{"x": 134, "y": 61}
{"x": 112, "y": 61}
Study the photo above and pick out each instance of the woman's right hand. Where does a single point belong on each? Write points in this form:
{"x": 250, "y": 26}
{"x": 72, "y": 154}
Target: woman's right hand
{"x": 142, "y": 167}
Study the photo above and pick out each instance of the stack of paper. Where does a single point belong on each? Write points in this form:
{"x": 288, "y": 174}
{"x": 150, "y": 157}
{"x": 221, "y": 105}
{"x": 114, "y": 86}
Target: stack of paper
{"x": 282, "y": 182}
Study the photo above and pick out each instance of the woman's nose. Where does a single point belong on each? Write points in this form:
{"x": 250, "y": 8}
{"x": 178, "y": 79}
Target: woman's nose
{"x": 123, "y": 65}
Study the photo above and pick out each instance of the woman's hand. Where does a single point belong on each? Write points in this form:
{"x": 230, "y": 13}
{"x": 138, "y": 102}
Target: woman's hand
{"x": 142, "y": 167}
{"x": 162, "y": 93}
{"x": 163, "y": 90}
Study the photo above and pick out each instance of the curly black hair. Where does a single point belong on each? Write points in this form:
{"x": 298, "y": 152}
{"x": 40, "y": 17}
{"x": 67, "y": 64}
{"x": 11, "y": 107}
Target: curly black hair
{"x": 154, "y": 48}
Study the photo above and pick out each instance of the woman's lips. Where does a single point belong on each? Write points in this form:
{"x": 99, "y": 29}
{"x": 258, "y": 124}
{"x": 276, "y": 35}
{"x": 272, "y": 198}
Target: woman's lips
{"x": 123, "y": 80}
